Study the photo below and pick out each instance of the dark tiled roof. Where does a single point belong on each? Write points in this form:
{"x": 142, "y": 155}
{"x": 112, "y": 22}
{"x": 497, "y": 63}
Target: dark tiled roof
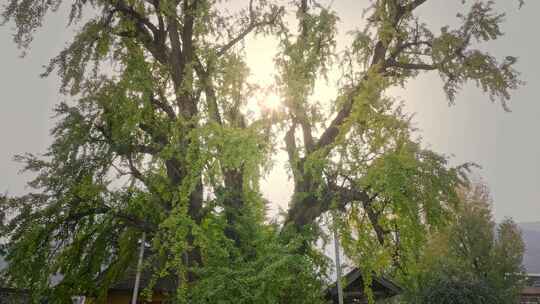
{"x": 353, "y": 291}
{"x": 13, "y": 296}
{"x": 533, "y": 280}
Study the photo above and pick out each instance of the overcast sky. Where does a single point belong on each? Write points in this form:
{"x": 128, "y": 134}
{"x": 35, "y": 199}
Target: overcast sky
{"x": 506, "y": 145}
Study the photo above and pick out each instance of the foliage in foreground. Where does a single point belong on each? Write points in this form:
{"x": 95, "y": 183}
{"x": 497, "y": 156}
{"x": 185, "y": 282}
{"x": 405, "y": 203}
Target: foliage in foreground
{"x": 157, "y": 137}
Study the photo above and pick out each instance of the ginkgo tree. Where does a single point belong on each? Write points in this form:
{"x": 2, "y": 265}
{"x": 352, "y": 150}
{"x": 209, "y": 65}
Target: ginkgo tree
{"x": 157, "y": 138}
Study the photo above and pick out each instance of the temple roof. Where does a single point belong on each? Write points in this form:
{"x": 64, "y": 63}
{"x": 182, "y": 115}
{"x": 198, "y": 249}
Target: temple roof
{"x": 353, "y": 289}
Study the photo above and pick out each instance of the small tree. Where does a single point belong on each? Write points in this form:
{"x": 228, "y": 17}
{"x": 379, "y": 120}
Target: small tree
{"x": 473, "y": 260}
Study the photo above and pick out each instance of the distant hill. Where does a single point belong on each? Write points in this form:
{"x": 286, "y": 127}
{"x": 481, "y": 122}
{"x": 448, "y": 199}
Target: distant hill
{"x": 531, "y": 237}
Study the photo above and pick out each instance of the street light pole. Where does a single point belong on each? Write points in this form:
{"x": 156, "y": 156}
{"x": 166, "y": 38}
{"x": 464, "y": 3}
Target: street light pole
{"x": 139, "y": 270}
{"x": 338, "y": 266}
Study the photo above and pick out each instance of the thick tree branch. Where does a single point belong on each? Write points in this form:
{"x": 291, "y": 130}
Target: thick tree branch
{"x": 104, "y": 209}
{"x": 290, "y": 146}
{"x": 300, "y": 112}
{"x": 127, "y": 148}
{"x": 379, "y": 64}
{"x": 164, "y": 106}
{"x": 129, "y": 11}
{"x": 331, "y": 132}
{"x": 308, "y": 210}
{"x": 149, "y": 35}
{"x": 408, "y": 8}
{"x": 404, "y": 46}
{"x": 374, "y": 220}
{"x": 176, "y": 63}
{"x": 411, "y": 66}
{"x": 209, "y": 91}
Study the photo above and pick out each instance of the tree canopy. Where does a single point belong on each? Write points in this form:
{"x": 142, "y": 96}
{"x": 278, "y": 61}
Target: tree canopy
{"x": 162, "y": 141}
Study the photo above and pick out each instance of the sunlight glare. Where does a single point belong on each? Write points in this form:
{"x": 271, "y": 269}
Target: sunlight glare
{"x": 272, "y": 102}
